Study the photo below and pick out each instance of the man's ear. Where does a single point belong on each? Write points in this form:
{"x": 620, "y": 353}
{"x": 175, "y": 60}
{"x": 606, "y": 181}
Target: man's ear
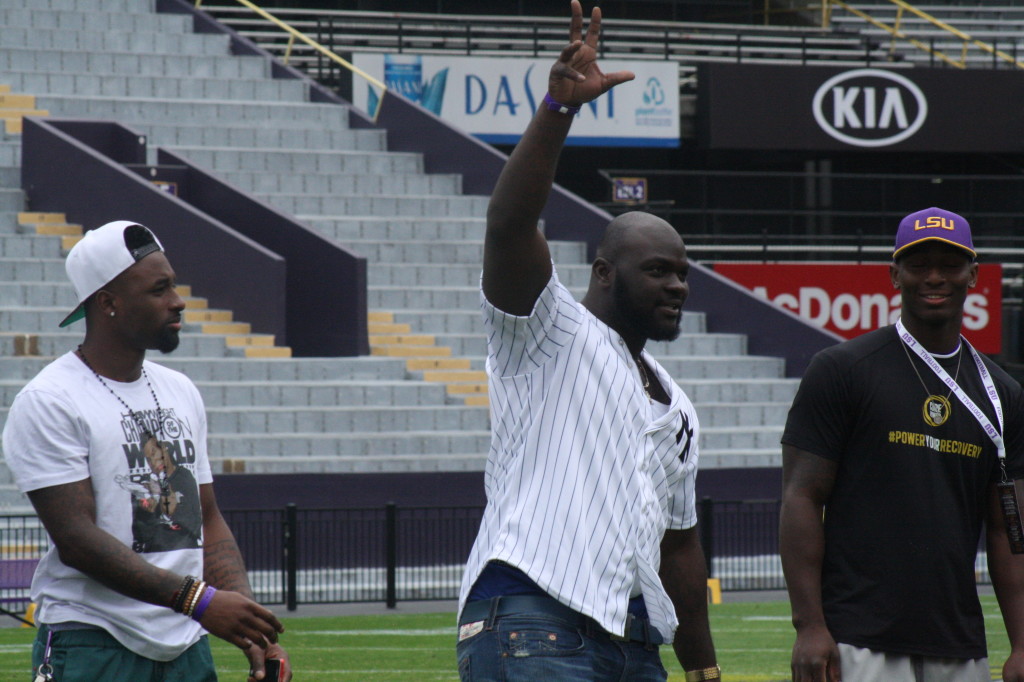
{"x": 105, "y": 302}
{"x": 602, "y": 271}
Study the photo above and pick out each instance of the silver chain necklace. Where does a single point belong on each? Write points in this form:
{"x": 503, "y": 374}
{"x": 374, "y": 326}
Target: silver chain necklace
{"x": 643, "y": 375}
{"x": 960, "y": 356}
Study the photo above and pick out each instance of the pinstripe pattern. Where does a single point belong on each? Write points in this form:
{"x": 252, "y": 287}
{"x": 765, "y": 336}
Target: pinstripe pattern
{"x": 582, "y": 477}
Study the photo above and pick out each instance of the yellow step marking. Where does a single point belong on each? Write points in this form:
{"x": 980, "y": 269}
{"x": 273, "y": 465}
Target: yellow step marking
{"x": 411, "y": 351}
{"x": 388, "y": 328}
{"x": 227, "y": 328}
{"x": 33, "y": 217}
{"x": 417, "y": 364}
{"x": 268, "y": 352}
{"x": 19, "y": 112}
{"x": 458, "y": 389}
{"x": 199, "y": 316}
{"x": 455, "y": 376}
{"x": 232, "y": 466}
{"x": 58, "y": 229}
{"x": 402, "y": 339}
{"x": 67, "y": 242}
{"x": 236, "y": 340}
{"x": 9, "y": 101}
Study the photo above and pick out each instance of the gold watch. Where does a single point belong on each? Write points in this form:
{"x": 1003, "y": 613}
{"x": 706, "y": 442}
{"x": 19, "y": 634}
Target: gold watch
{"x": 712, "y": 673}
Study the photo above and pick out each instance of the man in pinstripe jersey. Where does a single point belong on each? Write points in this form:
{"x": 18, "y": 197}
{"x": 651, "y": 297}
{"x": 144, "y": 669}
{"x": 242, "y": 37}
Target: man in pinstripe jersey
{"x": 587, "y": 557}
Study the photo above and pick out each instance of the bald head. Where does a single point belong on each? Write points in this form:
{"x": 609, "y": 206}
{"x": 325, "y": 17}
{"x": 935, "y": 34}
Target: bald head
{"x": 622, "y": 233}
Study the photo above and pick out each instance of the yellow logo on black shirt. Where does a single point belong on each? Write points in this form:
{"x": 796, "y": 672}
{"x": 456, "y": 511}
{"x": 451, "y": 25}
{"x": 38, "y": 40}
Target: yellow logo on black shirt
{"x": 955, "y": 447}
{"x": 936, "y": 410}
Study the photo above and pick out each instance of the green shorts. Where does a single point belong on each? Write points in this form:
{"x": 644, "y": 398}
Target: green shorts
{"x": 92, "y": 654}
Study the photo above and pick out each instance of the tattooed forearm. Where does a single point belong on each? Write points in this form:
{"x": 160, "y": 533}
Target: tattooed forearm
{"x": 223, "y": 566}
{"x": 68, "y": 513}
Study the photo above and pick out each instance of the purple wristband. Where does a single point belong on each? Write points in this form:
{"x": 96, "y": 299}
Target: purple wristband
{"x": 559, "y": 107}
{"x": 204, "y": 601}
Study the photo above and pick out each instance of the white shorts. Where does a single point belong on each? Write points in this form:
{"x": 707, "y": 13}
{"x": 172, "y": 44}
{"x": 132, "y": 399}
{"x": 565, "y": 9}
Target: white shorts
{"x": 868, "y": 665}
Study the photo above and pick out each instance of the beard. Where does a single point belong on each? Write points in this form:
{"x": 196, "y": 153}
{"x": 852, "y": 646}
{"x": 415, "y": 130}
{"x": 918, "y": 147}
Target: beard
{"x": 168, "y": 340}
{"x": 646, "y": 325}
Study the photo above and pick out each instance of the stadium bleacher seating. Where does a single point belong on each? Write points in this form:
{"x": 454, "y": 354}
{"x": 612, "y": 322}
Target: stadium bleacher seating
{"x": 1001, "y": 25}
{"x": 688, "y": 43}
{"x": 416, "y": 403}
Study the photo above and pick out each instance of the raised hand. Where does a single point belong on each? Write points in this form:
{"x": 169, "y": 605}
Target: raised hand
{"x": 576, "y": 78}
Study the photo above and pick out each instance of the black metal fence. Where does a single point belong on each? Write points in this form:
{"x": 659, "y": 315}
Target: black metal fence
{"x": 391, "y": 554}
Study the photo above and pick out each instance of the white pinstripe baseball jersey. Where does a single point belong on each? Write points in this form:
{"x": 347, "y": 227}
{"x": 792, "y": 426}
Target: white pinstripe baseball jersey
{"x": 582, "y": 477}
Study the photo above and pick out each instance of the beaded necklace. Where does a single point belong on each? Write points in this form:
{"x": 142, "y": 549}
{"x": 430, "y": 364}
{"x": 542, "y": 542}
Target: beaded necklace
{"x": 135, "y": 417}
{"x": 149, "y": 439}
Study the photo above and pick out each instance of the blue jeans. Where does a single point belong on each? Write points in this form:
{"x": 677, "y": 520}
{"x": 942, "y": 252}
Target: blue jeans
{"x": 532, "y": 647}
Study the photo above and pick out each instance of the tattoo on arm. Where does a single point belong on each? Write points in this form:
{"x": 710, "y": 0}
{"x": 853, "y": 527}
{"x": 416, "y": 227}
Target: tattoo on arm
{"x": 223, "y": 567}
{"x": 69, "y": 514}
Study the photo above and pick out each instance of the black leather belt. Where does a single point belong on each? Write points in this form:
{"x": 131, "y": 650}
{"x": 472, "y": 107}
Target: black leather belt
{"x": 637, "y": 629}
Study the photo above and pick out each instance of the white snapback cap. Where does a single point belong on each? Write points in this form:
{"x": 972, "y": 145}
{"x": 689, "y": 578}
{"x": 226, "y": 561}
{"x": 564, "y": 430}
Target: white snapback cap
{"x": 103, "y": 254}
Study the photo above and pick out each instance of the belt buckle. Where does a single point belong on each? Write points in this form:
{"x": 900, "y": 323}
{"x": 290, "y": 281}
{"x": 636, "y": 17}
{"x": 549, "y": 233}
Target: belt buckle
{"x": 629, "y": 626}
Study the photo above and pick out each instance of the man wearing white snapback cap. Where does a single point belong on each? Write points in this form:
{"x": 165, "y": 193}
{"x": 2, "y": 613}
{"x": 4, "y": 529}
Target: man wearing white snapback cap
{"x": 111, "y": 450}
{"x": 900, "y": 446}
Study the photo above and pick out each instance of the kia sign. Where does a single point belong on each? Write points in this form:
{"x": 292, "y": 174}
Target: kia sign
{"x": 852, "y": 299}
{"x": 869, "y": 107}
{"x": 814, "y": 108}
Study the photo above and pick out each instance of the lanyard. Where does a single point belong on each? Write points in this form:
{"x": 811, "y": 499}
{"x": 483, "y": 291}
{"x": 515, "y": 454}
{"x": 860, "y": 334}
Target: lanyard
{"x": 44, "y": 673}
{"x": 986, "y": 379}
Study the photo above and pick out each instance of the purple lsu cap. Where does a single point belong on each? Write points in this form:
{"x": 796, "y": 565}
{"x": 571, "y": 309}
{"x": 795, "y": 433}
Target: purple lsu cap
{"x": 934, "y": 223}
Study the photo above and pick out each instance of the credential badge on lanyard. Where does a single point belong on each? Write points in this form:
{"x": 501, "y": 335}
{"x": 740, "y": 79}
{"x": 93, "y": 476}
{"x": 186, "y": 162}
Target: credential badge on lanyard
{"x": 1005, "y": 487}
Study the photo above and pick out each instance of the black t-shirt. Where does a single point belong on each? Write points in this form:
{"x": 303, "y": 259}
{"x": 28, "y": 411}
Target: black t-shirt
{"x": 903, "y": 520}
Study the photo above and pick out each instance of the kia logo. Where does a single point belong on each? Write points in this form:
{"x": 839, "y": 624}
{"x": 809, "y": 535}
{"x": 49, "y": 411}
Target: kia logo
{"x": 870, "y": 107}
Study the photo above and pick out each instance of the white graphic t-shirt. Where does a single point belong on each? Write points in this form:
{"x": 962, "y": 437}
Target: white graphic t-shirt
{"x": 66, "y": 426}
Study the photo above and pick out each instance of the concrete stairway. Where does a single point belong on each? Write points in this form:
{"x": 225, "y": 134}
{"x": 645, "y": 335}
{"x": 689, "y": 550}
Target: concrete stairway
{"x": 419, "y": 402}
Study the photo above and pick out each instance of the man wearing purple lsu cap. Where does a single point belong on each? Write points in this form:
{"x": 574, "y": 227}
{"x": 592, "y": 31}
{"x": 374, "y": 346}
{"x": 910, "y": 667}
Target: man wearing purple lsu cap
{"x": 893, "y": 453}
{"x": 109, "y": 447}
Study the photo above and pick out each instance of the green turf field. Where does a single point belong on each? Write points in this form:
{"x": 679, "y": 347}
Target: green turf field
{"x": 753, "y": 641}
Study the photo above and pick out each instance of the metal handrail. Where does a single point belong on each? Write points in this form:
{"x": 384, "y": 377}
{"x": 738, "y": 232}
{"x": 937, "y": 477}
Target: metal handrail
{"x": 896, "y": 32}
{"x": 633, "y": 39}
{"x": 295, "y": 33}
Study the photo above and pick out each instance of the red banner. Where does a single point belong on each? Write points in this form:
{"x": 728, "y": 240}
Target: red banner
{"x": 852, "y": 299}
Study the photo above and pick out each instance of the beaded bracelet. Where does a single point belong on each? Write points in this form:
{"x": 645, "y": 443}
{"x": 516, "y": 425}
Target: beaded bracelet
{"x": 200, "y": 588}
{"x": 190, "y": 597}
{"x": 204, "y": 601}
{"x": 179, "y": 594}
{"x": 178, "y": 600}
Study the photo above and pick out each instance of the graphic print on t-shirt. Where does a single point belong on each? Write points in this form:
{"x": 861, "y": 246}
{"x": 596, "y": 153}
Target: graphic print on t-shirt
{"x": 166, "y": 513}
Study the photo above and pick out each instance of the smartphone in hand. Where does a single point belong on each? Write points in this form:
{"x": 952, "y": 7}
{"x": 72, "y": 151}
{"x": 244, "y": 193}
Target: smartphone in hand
{"x": 272, "y": 667}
